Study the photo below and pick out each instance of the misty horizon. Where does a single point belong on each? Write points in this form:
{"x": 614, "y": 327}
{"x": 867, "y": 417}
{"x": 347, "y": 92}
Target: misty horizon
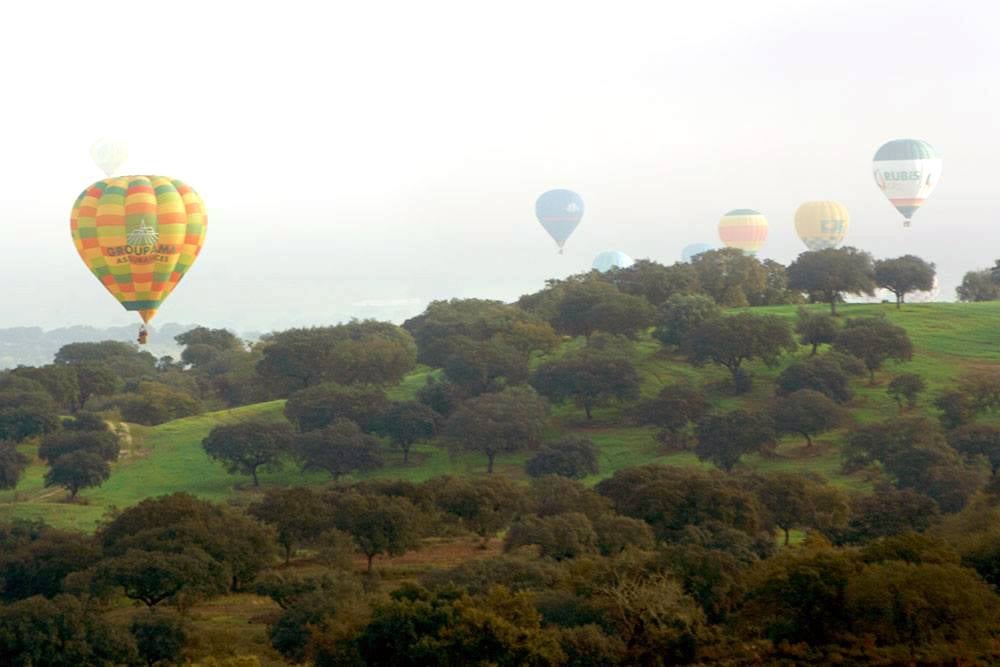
{"x": 343, "y": 180}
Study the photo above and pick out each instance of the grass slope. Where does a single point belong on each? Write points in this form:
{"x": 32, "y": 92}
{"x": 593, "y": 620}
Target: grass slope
{"x": 949, "y": 339}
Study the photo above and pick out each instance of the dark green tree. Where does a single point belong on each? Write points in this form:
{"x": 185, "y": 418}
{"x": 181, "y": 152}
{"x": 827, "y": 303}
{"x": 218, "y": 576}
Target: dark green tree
{"x": 245, "y": 447}
{"x": 673, "y": 409}
{"x": 682, "y": 314}
{"x": 874, "y": 340}
{"x": 378, "y": 524}
{"x": 825, "y": 374}
{"x": 407, "y": 423}
{"x": 725, "y": 439}
{"x": 978, "y": 286}
{"x": 179, "y": 522}
{"x": 571, "y": 457}
{"x": 483, "y": 507}
{"x": 159, "y": 637}
{"x": 815, "y": 329}
{"x": 978, "y": 440}
{"x": 103, "y": 443}
{"x": 59, "y": 380}
{"x": 96, "y": 379}
{"x": 889, "y": 511}
{"x": 903, "y": 275}
{"x": 41, "y": 565}
{"x": 655, "y": 282}
{"x": 26, "y": 414}
{"x": 444, "y": 323}
{"x": 154, "y": 576}
{"x": 827, "y": 275}
{"x": 77, "y": 470}
{"x": 905, "y": 389}
{"x": 297, "y": 514}
{"x": 62, "y": 632}
{"x": 12, "y": 465}
{"x": 806, "y": 412}
{"x": 318, "y": 407}
{"x": 590, "y": 379}
{"x": 359, "y": 352}
{"x": 339, "y": 449}
{"x": 502, "y": 423}
{"x": 590, "y": 306}
{"x": 729, "y": 276}
{"x": 729, "y": 341}
{"x": 672, "y": 500}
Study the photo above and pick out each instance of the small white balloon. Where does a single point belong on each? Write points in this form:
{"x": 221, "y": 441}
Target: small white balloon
{"x": 109, "y": 154}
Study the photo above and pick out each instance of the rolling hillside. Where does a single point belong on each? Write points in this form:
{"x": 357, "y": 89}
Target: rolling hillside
{"x": 949, "y": 339}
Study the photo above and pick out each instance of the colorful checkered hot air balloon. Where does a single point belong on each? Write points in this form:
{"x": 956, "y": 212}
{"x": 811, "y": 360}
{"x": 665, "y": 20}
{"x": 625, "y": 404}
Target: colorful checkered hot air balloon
{"x": 139, "y": 235}
{"x": 906, "y": 170}
{"x": 744, "y": 229}
{"x": 559, "y": 212}
{"x": 822, "y": 224}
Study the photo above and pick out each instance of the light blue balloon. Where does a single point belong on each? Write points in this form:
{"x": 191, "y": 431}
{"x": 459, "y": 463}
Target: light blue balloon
{"x": 694, "y": 249}
{"x": 559, "y": 212}
{"x": 612, "y": 259}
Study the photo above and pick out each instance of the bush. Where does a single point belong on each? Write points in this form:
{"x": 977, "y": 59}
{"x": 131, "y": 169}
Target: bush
{"x": 571, "y": 457}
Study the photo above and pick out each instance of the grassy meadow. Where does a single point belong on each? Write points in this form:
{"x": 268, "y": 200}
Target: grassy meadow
{"x": 949, "y": 339}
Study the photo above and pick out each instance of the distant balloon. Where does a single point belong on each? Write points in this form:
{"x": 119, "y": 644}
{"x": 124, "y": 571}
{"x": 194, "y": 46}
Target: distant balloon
{"x": 139, "y": 235}
{"x": 612, "y": 259}
{"x": 743, "y": 229}
{"x": 822, "y": 224}
{"x": 109, "y": 154}
{"x": 559, "y": 212}
{"x": 690, "y": 251}
{"x": 906, "y": 170}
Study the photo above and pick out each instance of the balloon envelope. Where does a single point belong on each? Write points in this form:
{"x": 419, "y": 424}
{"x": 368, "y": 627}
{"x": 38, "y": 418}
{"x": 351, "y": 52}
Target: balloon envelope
{"x": 109, "y": 154}
{"x": 690, "y": 251}
{"x": 744, "y": 229}
{"x": 822, "y": 224}
{"x": 139, "y": 235}
{"x": 612, "y": 259}
{"x": 906, "y": 170}
{"x": 559, "y": 212}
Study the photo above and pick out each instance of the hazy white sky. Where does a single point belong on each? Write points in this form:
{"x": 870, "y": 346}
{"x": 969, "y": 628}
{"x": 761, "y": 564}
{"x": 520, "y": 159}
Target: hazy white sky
{"x": 363, "y": 158}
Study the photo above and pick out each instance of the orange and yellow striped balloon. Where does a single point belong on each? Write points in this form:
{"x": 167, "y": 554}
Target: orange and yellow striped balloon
{"x": 139, "y": 235}
{"x": 744, "y": 229}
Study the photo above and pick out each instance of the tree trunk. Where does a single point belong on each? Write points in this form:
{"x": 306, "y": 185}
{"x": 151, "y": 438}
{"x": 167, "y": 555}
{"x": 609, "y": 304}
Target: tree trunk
{"x": 371, "y": 557}
{"x": 786, "y": 535}
{"x": 489, "y": 466}
{"x": 833, "y": 305}
{"x": 406, "y": 454}
{"x": 586, "y": 408}
{"x": 899, "y": 301}
{"x": 815, "y": 348}
{"x": 288, "y": 553}
{"x": 253, "y": 473}
{"x": 871, "y": 376}
{"x": 809, "y": 440}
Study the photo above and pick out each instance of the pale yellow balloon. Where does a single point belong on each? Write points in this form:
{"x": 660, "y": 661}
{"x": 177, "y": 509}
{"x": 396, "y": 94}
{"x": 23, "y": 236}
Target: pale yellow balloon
{"x": 822, "y": 224}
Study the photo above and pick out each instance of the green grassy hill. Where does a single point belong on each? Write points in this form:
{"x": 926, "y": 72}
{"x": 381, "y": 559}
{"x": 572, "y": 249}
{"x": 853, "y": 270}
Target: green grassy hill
{"x": 949, "y": 339}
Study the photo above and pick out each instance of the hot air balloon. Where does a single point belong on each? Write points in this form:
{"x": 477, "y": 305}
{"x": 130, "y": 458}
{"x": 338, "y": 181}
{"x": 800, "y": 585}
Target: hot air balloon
{"x": 139, "y": 235}
{"x": 822, "y": 224}
{"x": 906, "y": 170}
{"x": 109, "y": 154}
{"x": 690, "y": 251}
{"x": 560, "y": 212}
{"x": 744, "y": 229}
{"x": 612, "y": 259}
